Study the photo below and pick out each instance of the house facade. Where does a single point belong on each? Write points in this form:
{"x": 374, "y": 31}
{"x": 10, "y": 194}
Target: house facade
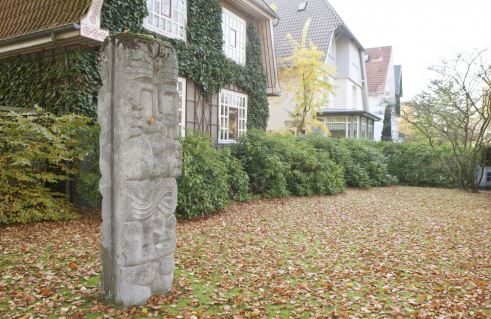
{"x": 346, "y": 113}
{"x": 51, "y": 28}
{"x": 384, "y": 88}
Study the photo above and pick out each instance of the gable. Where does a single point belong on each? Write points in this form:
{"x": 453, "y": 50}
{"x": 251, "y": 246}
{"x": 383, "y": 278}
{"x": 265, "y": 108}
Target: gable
{"x": 377, "y": 68}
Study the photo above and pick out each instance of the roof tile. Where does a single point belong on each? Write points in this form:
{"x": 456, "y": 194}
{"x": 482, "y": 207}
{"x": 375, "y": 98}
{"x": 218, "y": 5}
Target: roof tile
{"x": 324, "y": 21}
{"x": 377, "y": 68}
{"x": 18, "y": 17}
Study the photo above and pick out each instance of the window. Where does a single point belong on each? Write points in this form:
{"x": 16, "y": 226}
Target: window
{"x": 167, "y": 17}
{"x": 340, "y": 126}
{"x": 233, "y": 116}
{"x": 337, "y": 125}
{"x": 370, "y": 130}
{"x": 234, "y": 37}
{"x": 355, "y": 127}
{"x": 363, "y": 129}
{"x": 302, "y": 6}
{"x": 181, "y": 89}
{"x": 488, "y": 177}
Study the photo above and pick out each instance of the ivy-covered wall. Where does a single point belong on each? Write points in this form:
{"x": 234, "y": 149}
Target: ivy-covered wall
{"x": 47, "y": 82}
{"x": 30, "y": 81}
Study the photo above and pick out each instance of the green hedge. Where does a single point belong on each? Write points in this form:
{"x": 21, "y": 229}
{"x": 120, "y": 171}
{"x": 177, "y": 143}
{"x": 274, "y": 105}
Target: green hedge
{"x": 354, "y": 173}
{"x": 279, "y": 166}
{"x": 418, "y": 165}
{"x": 210, "y": 178}
{"x": 35, "y": 151}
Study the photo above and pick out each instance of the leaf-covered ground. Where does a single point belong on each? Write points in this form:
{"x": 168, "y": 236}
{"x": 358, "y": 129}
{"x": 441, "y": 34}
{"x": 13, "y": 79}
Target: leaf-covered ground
{"x": 394, "y": 252}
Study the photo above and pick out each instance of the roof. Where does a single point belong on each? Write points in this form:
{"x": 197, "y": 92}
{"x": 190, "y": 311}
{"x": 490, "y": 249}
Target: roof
{"x": 19, "y": 17}
{"x": 257, "y": 8}
{"x": 347, "y": 112}
{"x": 263, "y": 4}
{"x": 324, "y": 22}
{"x": 377, "y": 68}
{"x": 398, "y": 79}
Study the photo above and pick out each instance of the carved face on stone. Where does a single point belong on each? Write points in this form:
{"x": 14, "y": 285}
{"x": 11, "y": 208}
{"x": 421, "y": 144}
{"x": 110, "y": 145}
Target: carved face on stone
{"x": 151, "y": 101}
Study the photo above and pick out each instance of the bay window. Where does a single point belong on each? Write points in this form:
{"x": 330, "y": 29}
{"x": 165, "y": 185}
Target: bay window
{"x": 349, "y": 126}
{"x": 234, "y": 36}
{"x": 341, "y": 126}
{"x": 233, "y": 116}
{"x": 167, "y": 17}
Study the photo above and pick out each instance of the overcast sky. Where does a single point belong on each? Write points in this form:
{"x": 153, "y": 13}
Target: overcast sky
{"x": 421, "y": 32}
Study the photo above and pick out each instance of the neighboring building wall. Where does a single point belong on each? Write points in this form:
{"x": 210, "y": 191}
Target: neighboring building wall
{"x": 379, "y": 101}
{"x": 355, "y": 65}
{"x": 348, "y": 60}
{"x": 486, "y": 178}
{"x": 378, "y": 109}
{"x": 344, "y": 55}
{"x": 280, "y": 108}
{"x": 344, "y": 95}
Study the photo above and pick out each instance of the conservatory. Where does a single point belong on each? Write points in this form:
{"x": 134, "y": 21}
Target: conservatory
{"x": 344, "y": 123}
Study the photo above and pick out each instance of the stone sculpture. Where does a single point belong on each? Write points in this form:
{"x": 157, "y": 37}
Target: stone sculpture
{"x": 140, "y": 160}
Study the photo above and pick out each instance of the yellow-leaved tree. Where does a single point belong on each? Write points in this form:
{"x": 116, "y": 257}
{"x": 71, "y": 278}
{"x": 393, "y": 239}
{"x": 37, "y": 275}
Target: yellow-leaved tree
{"x": 305, "y": 74}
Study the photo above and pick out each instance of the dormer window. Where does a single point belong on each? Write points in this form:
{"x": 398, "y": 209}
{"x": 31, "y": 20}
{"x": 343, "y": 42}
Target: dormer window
{"x": 167, "y": 17}
{"x": 234, "y": 37}
{"x": 302, "y": 6}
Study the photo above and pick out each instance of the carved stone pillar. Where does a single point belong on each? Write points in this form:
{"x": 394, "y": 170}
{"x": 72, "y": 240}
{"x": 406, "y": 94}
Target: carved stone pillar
{"x": 140, "y": 160}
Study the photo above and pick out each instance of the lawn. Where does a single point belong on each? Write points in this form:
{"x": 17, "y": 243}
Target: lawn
{"x": 397, "y": 252}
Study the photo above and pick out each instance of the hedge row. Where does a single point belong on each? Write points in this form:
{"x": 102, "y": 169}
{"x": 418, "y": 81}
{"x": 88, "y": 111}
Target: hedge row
{"x": 280, "y": 165}
{"x": 35, "y": 151}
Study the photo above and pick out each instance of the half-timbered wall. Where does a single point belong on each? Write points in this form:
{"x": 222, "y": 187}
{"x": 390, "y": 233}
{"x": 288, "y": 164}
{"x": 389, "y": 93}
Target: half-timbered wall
{"x": 202, "y": 114}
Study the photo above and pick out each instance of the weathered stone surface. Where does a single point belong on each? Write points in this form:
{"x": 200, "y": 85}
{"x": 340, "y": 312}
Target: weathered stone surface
{"x": 140, "y": 160}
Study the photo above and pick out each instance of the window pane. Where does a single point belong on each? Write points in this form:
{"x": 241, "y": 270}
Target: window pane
{"x": 233, "y": 123}
{"x": 166, "y": 8}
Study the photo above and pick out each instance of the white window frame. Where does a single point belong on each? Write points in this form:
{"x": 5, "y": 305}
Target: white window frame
{"x": 364, "y": 128}
{"x": 226, "y": 100}
{"x": 335, "y": 120}
{"x": 356, "y": 121}
{"x": 177, "y": 19}
{"x": 234, "y": 25}
{"x": 182, "y": 106}
{"x": 370, "y": 130}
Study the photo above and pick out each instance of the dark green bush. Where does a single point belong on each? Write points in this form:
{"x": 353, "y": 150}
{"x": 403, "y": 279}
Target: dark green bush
{"x": 417, "y": 164}
{"x": 210, "y": 178}
{"x": 354, "y": 174}
{"x": 371, "y": 159}
{"x": 89, "y": 171}
{"x": 34, "y": 151}
{"x": 279, "y": 166}
{"x": 263, "y": 163}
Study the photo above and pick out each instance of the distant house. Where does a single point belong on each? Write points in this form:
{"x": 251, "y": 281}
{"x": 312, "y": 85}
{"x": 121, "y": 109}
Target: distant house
{"x": 49, "y": 27}
{"x": 347, "y": 113}
{"x": 384, "y": 88}
{"x": 486, "y": 177}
